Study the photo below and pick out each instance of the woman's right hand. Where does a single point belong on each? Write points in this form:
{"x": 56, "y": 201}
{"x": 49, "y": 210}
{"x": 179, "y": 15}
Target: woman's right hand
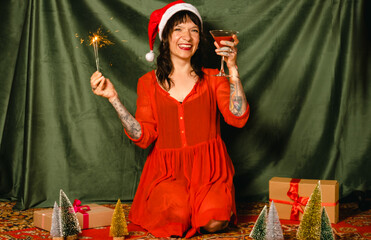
{"x": 102, "y": 86}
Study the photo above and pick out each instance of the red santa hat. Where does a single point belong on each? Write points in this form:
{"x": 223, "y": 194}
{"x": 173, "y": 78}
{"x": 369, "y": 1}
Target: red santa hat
{"x": 159, "y": 18}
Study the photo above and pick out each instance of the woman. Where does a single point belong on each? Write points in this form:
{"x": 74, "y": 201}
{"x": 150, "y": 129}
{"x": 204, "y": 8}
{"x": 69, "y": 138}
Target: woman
{"x": 187, "y": 181}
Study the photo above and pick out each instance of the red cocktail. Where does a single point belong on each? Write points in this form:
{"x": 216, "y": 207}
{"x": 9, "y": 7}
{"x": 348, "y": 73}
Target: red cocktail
{"x": 223, "y": 38}
{"x": 220, "y": 35}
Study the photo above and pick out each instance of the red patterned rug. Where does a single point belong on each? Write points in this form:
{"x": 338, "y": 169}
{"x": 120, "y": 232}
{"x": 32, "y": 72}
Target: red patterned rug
{"x": 354, "y": 224}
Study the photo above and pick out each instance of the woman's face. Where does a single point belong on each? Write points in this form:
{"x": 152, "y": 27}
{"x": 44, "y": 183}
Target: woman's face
{"x": 184, "y": 40}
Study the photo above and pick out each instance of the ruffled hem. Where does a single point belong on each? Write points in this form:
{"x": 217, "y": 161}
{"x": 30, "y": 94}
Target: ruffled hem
{"x": 182, "y": 179}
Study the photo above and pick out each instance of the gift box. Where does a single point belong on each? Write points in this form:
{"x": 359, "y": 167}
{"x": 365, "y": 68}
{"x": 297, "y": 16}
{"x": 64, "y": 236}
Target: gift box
{"x": 97, "y": 216}
{"x": 290, "y": 196}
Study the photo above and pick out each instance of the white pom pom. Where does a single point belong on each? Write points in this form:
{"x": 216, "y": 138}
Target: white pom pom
{"x": 150, "y": 56}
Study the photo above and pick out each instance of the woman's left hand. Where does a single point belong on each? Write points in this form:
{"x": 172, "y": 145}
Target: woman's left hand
{"x": 229, "y": 51}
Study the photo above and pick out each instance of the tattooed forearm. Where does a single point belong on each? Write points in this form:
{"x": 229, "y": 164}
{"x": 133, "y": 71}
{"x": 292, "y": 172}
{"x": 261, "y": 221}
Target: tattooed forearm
{"x": 237, "y": 102}
{"x": 130, "y": 124}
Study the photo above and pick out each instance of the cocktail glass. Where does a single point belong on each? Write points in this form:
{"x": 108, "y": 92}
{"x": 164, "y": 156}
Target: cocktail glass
{"x": 220, "y": 35}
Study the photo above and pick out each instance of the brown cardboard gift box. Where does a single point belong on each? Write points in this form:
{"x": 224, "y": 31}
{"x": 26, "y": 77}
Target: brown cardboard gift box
{"x": 300, "y": 190}
{"x": 98, "y": 216}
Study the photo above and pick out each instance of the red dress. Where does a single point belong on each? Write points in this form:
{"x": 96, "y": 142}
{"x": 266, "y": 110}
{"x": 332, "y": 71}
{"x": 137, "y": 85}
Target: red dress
{"x": 187, "y": 179}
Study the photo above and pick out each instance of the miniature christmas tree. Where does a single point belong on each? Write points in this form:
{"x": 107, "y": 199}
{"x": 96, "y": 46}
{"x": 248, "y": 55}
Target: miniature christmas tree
{"x": 274, "y": 229}
{"x": 310, "y": 225}
{"x": 326, "y": 229}
{"x": 259, "y": 230}
{"x": 70, "y": 224}
{"x": 118, "y": 228}
{"x": 56, "y": 228}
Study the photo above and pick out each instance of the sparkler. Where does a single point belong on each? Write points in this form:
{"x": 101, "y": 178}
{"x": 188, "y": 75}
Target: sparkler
{"x": 95, "y": 45}
{"x": 98, "y": 40}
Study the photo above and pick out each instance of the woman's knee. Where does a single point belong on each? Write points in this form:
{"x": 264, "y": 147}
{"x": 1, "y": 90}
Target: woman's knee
{"x": 215, "y": 225}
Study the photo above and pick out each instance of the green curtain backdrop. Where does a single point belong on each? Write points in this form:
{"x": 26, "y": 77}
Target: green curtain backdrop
{"x": 305, "y": 67}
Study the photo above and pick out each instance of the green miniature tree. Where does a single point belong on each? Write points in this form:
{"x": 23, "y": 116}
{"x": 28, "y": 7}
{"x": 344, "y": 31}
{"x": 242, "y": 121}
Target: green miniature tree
{"x": 274, "y": 229}
{"x": 119, "y": 227}
{"x": 310, "y": 225}
{"x": 70, "y": 224}
{"x": 326, "y": 229}
{"x": 259, "y": 230}
{"x": 56, "y": 228}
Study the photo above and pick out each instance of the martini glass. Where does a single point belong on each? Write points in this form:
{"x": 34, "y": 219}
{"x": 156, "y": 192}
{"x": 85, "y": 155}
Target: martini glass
{"x": 220, "y": 35}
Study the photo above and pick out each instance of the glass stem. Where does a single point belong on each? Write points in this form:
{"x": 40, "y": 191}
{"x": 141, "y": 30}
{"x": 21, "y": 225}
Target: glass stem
{"x": 222, "y": 65}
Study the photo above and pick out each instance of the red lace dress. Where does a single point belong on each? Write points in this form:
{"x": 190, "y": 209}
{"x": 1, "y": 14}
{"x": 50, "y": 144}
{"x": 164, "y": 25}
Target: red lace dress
{"x": 187, "y": 179}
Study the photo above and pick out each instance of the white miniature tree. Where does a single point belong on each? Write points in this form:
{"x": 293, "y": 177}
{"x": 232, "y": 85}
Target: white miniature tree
{"x": 56, "y": 228}
{"x": 274, "y": 229}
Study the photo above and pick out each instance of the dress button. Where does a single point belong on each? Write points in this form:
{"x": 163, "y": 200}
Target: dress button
{"x": 182, "y": 131}
{"x": 181, "y": 117}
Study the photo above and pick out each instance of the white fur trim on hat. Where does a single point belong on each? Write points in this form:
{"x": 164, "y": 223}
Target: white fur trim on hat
{"x": 171, "y": 11}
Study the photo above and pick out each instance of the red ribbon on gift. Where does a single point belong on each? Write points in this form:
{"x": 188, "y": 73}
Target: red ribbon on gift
{"x": 298, "y": 202}
{"x": 82, "y": 209}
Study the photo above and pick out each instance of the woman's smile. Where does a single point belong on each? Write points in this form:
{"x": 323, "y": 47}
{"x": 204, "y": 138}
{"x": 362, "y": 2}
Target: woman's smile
{"x": 185, "y": 46}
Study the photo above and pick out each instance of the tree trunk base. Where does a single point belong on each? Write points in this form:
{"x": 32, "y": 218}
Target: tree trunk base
{"x": 58, "y": 238}
{"x": 118, "y": 238}
{"x": 72, "y": 237}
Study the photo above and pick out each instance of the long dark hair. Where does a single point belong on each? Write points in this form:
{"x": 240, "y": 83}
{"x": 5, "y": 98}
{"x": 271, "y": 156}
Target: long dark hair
{"x": 164, "y": 64}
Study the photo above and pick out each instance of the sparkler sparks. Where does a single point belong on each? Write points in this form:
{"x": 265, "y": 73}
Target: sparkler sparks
{"x": 98, "y": 40}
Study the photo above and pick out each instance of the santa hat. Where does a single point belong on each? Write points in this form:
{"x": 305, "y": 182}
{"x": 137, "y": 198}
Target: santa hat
{"x": 159, "y": 18}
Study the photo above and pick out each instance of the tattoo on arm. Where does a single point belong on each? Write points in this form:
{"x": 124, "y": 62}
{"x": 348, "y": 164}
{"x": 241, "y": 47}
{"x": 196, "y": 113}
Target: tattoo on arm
{"x": 130, "y": 124}
{"x": 237, "y": 105}
{"x": 236, "y": 100}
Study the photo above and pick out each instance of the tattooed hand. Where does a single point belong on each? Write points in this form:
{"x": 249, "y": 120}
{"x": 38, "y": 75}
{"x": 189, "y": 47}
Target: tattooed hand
{"x": 102, "y": 86}
{"x": 229, "y": 51}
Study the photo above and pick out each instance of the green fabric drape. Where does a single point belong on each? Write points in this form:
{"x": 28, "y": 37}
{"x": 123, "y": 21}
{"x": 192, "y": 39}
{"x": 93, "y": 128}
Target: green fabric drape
{"x": 305, "y": 67}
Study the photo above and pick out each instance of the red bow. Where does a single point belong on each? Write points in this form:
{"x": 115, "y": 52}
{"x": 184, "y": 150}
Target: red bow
{"x": 293, "y": 193}
{"x": 299, "y": 202}
{"x": 82, "y": 209}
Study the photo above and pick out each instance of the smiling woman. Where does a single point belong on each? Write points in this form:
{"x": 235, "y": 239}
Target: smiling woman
{"x": 187, "y": 181}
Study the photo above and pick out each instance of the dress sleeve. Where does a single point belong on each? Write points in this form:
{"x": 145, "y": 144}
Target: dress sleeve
{"x": 145, "y": 114}
{"x": 222, "y": 91}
